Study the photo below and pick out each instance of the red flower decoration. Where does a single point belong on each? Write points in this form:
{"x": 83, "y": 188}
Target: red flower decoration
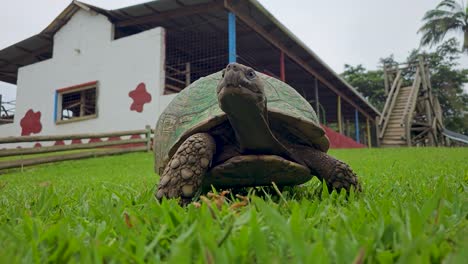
{"x": 140, "y": 97}
{"x": 31, "y": 123}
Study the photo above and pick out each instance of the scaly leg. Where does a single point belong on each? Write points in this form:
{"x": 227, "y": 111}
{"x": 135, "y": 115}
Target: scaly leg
{"x": 337, "y": 174}
{"x": 184, "y": 172}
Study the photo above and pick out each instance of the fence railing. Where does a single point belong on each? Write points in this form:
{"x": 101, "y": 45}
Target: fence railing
{"x": 389, "y": 104}
{"x": 140, "y": 140}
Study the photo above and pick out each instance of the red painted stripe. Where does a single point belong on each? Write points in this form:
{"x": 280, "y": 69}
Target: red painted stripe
{"x": 282, "y": 68}
{"x": 66, "y": 89}
{"x": 338, "y": 140}
{"x": 94, "y": 140}
{"x": 76, "y": 141}
{"x": 59, "y": 143}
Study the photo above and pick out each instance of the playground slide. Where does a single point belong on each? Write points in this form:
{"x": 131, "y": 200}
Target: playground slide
{"x": 455, "y": 136}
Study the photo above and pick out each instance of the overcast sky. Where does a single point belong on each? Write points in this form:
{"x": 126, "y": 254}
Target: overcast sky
{"x": 340, "y": 31}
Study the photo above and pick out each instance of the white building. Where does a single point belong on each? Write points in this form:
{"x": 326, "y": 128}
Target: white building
{"x": 93, "y": 82}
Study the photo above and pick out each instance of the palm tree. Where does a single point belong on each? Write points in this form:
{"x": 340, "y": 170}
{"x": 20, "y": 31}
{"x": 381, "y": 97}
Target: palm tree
{"x": 448, "y": 16}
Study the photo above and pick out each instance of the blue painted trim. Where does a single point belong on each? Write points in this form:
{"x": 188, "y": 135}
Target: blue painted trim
{"x": 232, "y": 36}
{"x": 356, "y": 120}
{"x": 55, "y": 106}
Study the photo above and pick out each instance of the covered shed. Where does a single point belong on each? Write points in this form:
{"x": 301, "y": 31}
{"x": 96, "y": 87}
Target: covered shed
{"x": 202, "y": 36}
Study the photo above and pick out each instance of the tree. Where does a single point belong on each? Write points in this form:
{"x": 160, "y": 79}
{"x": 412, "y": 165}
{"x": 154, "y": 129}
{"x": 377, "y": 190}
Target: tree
{"x": 448, "y": 16}
{"x": 369, "y": 83}
{"x": 447, "y": 82}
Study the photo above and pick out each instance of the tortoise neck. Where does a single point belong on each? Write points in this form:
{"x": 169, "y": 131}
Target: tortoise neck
{"x": 249, "y": 121}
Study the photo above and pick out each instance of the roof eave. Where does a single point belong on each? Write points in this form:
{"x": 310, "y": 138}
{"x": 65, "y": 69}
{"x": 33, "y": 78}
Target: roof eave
{"x": 315, "y": 56}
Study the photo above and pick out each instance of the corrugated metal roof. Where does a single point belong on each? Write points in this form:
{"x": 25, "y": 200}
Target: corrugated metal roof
{"x": 285, "y": 34}
{"x": 38, "y": 47}
{"x": 142, "y": 17}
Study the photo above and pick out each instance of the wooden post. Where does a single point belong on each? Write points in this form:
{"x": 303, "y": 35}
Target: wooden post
{"x": 386, "y": 80}
{"x": 434, "y": 108}
{"x": 340, "y": 129}
{"x": 356, "y": 120}
{"x": 232, "y": 36}
{"x": 408, "y": 133}
{"x": 82, "y": 103}
{"x": 427, "y": 98}
{"x": 187, "y": 74}
{"x": 347, "y": 128}
{"x": 317, "y": 104}
{"x": 369, "y": 139}
{"x": 282, "y": 68}
{"x": 377, "y": 131}
{"x": 148, "y": 138}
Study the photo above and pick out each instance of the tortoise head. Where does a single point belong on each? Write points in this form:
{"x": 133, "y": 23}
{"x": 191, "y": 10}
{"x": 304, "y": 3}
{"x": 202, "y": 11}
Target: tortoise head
{"x": 240, "y": 91}
{"x": 242, "y": 97}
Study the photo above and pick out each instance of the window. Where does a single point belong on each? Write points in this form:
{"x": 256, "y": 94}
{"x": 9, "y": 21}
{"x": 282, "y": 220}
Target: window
{"x": 7, "y": 111}
{"x": 7, "y": 102}
{"x": 76, "y": 103}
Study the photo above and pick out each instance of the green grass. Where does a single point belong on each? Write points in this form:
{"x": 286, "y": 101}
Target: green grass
{"x": 414, "y": 209}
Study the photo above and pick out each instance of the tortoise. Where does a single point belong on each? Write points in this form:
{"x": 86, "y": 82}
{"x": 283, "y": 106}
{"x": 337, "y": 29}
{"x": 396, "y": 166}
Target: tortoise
{"x": 240, "y": 128}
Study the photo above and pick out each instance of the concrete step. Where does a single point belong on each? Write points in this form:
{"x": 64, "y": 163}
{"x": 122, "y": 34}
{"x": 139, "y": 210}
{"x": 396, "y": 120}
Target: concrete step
{"x": 394, "y": 123}
{"x": 395, "y": 118}
{"x": 395, "y": 126}
{"x": 407, "y": 88}
{"x": 402, "y": 108}
{"x": 393, "y": 145}
{"x": 395, "y": 129}
{"x": 396, "y": 137}
{"x": 393, "y": 142}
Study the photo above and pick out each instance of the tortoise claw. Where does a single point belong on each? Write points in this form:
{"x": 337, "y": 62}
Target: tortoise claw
{"x": 343, "y": 177}
{"x": 183, "y": 175}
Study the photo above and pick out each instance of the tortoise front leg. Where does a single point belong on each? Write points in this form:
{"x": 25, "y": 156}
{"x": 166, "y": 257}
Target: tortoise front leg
{"x": 184, "y": 172}
{"x": 337, "y": 174}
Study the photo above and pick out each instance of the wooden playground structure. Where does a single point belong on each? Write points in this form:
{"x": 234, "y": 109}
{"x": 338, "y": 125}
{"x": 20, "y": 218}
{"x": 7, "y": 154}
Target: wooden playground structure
{"x": 412, "y": 115}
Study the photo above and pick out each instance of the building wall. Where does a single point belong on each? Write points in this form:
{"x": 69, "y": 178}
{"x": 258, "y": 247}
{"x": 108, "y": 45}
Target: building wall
{"x": 84, "y": 51}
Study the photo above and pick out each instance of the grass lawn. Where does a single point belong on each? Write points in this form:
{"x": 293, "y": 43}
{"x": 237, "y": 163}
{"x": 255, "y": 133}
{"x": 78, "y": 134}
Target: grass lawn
{"x": 414, "y": 209}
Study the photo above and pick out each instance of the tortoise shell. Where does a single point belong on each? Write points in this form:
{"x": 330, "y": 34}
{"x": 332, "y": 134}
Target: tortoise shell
{"x": 195, "y": 109}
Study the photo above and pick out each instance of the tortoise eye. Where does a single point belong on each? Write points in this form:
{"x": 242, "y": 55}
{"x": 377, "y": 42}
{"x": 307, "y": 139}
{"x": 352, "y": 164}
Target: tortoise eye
{"x": 251, "y": 74}
{"x": 223, "y": 72}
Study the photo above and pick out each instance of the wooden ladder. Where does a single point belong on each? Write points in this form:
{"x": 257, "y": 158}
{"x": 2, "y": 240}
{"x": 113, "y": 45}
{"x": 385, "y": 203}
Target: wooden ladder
{"x": 397, "y": 113}
{"x": 412, "y": 116}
